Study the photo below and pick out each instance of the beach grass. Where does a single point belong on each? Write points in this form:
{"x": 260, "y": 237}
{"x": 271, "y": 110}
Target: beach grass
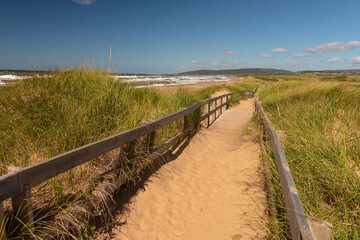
{"x": 52, "y": 113}
{"x": 321, "y": 121}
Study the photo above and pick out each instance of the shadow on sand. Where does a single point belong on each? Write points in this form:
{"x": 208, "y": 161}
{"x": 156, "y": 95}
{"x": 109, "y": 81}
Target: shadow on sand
{"x": 130, "y": 190}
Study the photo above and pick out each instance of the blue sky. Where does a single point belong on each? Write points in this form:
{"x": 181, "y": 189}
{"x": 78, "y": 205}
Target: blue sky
{"x": 170, "y": 36}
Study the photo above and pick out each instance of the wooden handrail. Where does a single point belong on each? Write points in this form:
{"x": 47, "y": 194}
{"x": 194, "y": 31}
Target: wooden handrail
{"x": 17, "y": 184}
{"x": 299, "y": 223}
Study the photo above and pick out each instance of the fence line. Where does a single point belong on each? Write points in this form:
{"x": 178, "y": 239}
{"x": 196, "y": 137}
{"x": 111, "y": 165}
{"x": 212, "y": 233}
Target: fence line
{"x": 17, "y": 185}
{"x": 301, "y": 226}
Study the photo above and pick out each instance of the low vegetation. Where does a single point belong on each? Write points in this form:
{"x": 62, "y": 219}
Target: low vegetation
{"x": 46, "y": 116}
{"x": 268, "y": 78}
{"x": 321, "y": 121}
{"x": 243, "y": 71}
{"x": 341, "y": 78}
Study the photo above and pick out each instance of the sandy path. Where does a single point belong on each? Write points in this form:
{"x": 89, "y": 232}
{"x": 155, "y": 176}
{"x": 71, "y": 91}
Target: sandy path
{"x": 211, "y": 191}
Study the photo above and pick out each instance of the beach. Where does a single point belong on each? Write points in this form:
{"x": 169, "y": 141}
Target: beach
{"x": 196, "y": 86}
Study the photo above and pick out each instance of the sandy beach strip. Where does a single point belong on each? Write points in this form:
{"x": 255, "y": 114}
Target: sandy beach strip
{"x": 197, "y": 86}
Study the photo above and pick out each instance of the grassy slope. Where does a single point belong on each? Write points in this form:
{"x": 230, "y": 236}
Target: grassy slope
{"x": 42, "y": 117}
{"x": 322, "y": 125}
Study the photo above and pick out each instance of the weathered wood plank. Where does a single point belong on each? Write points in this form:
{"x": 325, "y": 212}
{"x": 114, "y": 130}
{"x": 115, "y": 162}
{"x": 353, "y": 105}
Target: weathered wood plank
{"x": 221, "y": 104}
{"x": 217, "y": 98}
{"x": 211, "y": 112}
{"x": 248, "y": 93}
{"x": 162, "y": 122}
{"x": 8, "y": 186}
{"x": 2, "y": 222}
{"x": 299, "y": 226}
{"x": 37, "y": 173}
{"x": 186, "y": 122}
{"x": 208, "y": 115}
{"x": 216, "y": 103}
{"x": 229, "y": 95}
{"x": 150, "y": 139}
{"x": 22, "y": 206}
{"x": 320, "y": 228}
{"x": 296, "y": 215}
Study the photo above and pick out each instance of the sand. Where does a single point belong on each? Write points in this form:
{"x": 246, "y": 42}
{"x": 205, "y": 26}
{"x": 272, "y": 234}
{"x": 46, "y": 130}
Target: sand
{"x": 194, "y": 87}
{"x": 213, "y": 190}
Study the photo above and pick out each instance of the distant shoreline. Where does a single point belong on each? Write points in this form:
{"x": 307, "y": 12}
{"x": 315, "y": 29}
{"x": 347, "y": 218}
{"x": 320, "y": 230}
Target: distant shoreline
{"x": 196, "y": 86}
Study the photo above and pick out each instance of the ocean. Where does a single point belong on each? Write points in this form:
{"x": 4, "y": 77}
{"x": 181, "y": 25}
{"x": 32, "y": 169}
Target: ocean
{"x": 11, "y": 76}
{"x": 141, "y": 81}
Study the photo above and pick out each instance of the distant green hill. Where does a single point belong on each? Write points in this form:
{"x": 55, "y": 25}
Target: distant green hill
{"x": 243, "y": 71}
{"x": 332, "y": 71}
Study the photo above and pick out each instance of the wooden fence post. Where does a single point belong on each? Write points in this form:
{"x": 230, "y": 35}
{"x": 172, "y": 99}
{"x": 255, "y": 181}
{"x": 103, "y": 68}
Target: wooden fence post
{"x": 2, "y": 222}
{"x": 221, "y": 109}
{"x": 150, "y": 139}
{"x": 22, "y": 207}
{"x": 215, "y": 109}
{"x": 21, "y": 204}
{"x": 186, "y": 122}
{"x": 256, "y": 109}
{"x": 208, "y": 110}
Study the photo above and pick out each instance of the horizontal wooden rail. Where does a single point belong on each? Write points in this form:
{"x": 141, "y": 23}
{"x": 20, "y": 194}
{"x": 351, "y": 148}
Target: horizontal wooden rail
{"x": 12, "y": 184}
{"x": 216, "y": 108}
{"x": 298, "y": 221}
{"x": 218, "y": 98}
{"x": 206, "y": 115}
{"x": 17, "y": 184}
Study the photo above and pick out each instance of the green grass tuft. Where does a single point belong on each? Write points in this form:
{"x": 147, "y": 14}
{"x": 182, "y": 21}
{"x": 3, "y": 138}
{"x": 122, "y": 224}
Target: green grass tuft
{"x": 321, "y": 121}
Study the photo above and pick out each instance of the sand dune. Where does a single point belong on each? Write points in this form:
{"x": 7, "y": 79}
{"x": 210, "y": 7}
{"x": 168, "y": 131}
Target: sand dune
{"x": 194, "y": 87}
{"x": 211, "y": 191}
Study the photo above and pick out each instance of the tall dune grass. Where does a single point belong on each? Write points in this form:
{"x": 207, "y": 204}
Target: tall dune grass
{"x": 42, "y": 117}
{"x": 45, "y": 116}
{"x": 321, "y": 121}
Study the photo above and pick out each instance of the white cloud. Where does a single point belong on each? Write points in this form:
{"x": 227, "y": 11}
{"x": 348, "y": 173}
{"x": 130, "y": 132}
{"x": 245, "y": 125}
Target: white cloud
{"x": 233, "y": 53}
{"x": 229, "y": 53}
{"x": 203, "y": 63}
{"x": 334, "y": 60}
{"x": 264, "y": 56}
{"x": 225, "y": 48}
{"x": 279, "y": 50}
{"x": 353, "y": 44}
{"x": 333, "y": 47}
{"x": 299, "y": 55}
{"x": 356, "y": 60}
{"x": 84, "y": 2}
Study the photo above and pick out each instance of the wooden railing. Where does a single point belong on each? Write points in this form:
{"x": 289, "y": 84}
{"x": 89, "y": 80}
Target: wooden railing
{"x": 301, "y": 226}
{"x": 17, "y": 185}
